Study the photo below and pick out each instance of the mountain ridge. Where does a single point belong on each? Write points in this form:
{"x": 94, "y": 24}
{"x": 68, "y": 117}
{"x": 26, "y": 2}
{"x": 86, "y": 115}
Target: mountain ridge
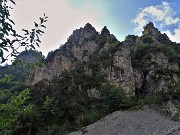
{"x": 86, "y": 42}
{"x": 93, "y": 75}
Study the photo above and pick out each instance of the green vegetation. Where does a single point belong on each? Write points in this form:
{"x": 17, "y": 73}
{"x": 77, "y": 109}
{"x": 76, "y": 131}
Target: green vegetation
{"x": 13, "y": 110}
{"x": 147, "y": 40}
{"x": 113, "y": 47}
{"x": 64, "y": 104}
{"x": 29, "y": 40}
{"x": 17, "y": 72}
{"x": 144, "y": 50}
{"x": 158, "y": 98}
{"x": 105, "y": 56}
{"x": 114, "y": 98}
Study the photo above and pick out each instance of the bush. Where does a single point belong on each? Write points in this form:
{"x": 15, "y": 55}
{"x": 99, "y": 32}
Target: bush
{"x": 113, "y": 47}
{"x": 13, "y": 111}
{"x": 114, "y": 98}
{"x": 168, "y": 50}
{"x": 142, "y": 50}
{"x": 157, "y": 98}
{"x": 148, "y": 40}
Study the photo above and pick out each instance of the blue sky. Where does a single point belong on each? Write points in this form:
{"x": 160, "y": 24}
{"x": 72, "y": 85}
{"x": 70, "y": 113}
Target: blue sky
{"x": 122, "y": 17}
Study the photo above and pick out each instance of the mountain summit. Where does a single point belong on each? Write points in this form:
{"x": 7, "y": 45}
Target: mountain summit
{"x": 155, "y": 34}
{"x": 145, "y": 64}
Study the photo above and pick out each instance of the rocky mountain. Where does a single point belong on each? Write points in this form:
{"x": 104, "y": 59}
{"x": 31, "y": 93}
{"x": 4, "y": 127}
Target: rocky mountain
{"x": 140, "y": 65}
{"x": 25, "y": 61}
{"x": 93, "y": 75}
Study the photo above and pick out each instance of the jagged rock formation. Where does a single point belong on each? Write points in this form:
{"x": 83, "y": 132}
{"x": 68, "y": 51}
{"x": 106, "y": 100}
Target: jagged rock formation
{"x": 151, "y": 31}
{"x": 16, "y": 69}
{"x": 152, "y": 70}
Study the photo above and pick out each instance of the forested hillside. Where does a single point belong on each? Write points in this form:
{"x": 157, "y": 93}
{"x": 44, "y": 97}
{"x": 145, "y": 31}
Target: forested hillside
{"x": 91, "y": 75}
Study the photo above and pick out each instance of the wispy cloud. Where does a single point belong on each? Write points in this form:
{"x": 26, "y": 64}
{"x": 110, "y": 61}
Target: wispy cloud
{"x": 160, "y": 13}
{"x": 174, "y": 37}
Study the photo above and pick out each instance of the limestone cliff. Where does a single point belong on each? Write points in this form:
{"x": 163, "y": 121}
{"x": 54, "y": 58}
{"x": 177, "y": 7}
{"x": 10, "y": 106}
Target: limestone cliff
{"x": 138, "y": 64}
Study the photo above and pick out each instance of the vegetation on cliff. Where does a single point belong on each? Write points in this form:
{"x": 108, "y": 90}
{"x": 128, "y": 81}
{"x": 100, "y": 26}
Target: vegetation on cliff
{"x": 97, "y": 82}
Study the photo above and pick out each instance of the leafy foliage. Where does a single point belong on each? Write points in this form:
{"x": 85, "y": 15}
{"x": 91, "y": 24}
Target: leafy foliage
{"x": 147, "y": 40}
{"x": 8, "y": 36}
{"x": 18, "y": 71}
{"x": 113, "y": 47}
{"x": 144, "y": 50}
{"x": 161, "y": 97}
{"x": 114, "y": 98}
{"x": 64, "y": 105}
{"x": 13, "y": 110}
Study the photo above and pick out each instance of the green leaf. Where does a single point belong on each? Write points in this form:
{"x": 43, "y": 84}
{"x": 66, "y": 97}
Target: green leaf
{"x": 38, "y": 40}
{"x": 36, "y": 25}
{"x": 1, "y": 53}
{"x": 37, "y": 44}
{"x": 11, "y": 21}
{"x": 5, "y": 49}
{"x": 32, "y": 46}
{"x": 13, "y": 2}
{"x": 13, "y": 41}
{"x": 43, "y": 26}
{"x": 25, "y": 30}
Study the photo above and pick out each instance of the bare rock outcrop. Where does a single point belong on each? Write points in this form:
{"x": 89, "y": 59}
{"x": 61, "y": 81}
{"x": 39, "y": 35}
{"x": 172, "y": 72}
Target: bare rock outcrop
{"x": 78, "y": 48}
{"x": 157, "y": 71}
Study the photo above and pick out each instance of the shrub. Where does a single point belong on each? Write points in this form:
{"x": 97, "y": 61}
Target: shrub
{"x": 13, "y": 111}
{"x": 168, "y": 50}
{"x": 114, "y": 98}
{"x": 148, "y": 40}
{"x": 113, "y": 47}
{"x": 157, "y": 98}
{"x": 142, "y": 50}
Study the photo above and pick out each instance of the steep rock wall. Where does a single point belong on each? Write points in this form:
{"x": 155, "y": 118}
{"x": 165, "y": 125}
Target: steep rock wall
{"x": 157, "y": 72}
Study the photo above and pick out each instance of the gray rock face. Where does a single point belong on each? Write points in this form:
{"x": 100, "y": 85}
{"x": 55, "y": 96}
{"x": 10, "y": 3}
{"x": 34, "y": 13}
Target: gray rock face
{"x": 122, "y": 60}
{"x": 157, "y": 73}
{"x": 30, "y": 56}
{"x": 151, "y": 31}
{"x": 82, "y": 43}
{"x": 88, "y": 32}
{"x": 131, "y": 41}
{"x": 53, "y": 67}
{"x": 139, "y": 79}
{"x": 105, "y": 31}
{"x": 79, "y": 45}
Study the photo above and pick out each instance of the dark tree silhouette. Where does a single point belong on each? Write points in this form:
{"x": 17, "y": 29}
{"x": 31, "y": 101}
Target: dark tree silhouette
{"x": 9, "y": 36}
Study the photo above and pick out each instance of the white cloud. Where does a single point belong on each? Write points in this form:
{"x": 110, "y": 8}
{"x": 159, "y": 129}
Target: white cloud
{"x": 174, "y": 37}
{"x": 160, "y": 13}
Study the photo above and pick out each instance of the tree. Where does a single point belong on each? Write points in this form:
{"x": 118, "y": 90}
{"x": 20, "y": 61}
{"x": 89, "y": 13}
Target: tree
{"x": 9, "y": 36}
{"x": 13, "y": 110}
{"x": 14, "y": 106}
